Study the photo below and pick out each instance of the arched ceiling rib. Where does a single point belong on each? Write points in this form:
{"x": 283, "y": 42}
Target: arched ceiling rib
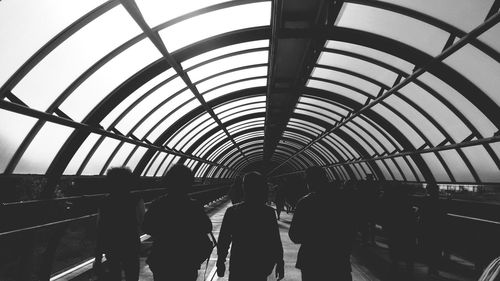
{"x": 355, "y": 98}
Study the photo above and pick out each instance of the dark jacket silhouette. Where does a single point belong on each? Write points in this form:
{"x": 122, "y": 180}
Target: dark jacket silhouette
{"x": 119, "y": 218}
{"x": 252, "y": 229}
{"x": 432, "y": 228}
{"x": 325, "y": 230}
{"x": 236, "y": 191}
{"x": 177, "y": 224}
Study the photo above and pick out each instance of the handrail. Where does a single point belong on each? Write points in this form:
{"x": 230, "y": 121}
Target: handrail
{"x": 473, "y": 219}
{"x": 86, "y": 216}
{"x": 492, "y": 271}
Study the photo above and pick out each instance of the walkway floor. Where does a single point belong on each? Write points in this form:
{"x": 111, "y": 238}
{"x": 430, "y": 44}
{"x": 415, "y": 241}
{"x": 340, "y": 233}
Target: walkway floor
{"x": 369, "y": 263}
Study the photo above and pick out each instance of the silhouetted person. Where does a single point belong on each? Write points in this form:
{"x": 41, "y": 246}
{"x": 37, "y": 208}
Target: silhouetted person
{"x": 368, "y": 195}
{"x": 252, "y": 229}
{"x": 178, "y": 224}
{"x": 432, "y": 223}
{"x": 323, "y": 225}
{"x": 399, "y": 225}
{"x": 236, "y": 191}
{"x": 120, "y": 216}
{"x": 280, "y": 198}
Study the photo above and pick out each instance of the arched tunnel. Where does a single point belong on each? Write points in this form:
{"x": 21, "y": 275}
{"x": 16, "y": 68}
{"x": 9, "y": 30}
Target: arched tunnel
{"x": 403, "y": 92}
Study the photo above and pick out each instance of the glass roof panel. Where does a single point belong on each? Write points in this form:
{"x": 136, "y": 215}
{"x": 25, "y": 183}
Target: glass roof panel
{"x": 368, "y": 138}
{"x": 194, "y": 124}
{"x": 496, "y": 147}
{"x": 384, "y": 170}
{"x": 365, "y": 68}
{"x": 166, "y": 165}
{"x": 325, "y": 118}
{"x": 194, "y": 134}
{"x": 415, "y": 168}
{"x": 350, "y": 80}
{"x": 224, "y": 51}
{"x": 42, "y": 150}
{"x": 479, "y": 68}
{"x": 156, "y": 164}
{"x": 74, "y": 56}
{"x": 436, "y": 167}
{"x": 472, "y": 113}
{"x": 29, "y": 19}
{"x": 108, "y": 77}
{"x": 227, "y": 63}
{"x": 174, "y": 117}
{"x": 248, "y": 127}
{"x": 440, "y": 112}
{"x": 361, "y": 171}
{"x": 385, "y": 142}
{"x": 13, "y": 129}
{"x": 147, "y": 104}
{"x": 405, "y": 168}
{"x": 327, "y": 105}
{"x": 122, "y": 154}
{"x": 136, "y": 157}
{"x": 407, "y": 30}
{"x": 81, "y": 153}
{"x": 361, "y": 141}
{"x": 120, "y": 108}
{"x": 235, "y": 104}
{"x": 242, "y": 16}
{"x": 371, "y": 53}
{"x": 219, "y": 92}
{"x": 175, "y": 104}
{"x": 464, "y": 14}
{"x": 230, "y": 77}
{"x": 318, "y": 110}
{"x": 482, "y": 163}
{"x": 394, "y": 169}
{"x": 419, "y": 120}
{"x": 209, "y": 142}
{"x": 231, "y": 116}
{"x": 156, "y": 12}
{"x": 332, "y": 144}
{"x": 198, "y": 135}
{"x": 492, "y": 37}
{"x": 306, "y": 124}
{"x": 102, "y": 153}
{"x": 460, "y": 171}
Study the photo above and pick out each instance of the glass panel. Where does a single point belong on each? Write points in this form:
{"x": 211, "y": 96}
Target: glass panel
{"x": 356, "y": 173}
{"x": 368, "y": 169}
{"x": 307, "y": 124}
{"x": 496, "y": 147}
{"x": 108, "y": 77}
{"x": 371, "y": 53}
{"x": 400, "y": 124}
{"x": 151, "y": 160}
{"x": 42, "y": 150}
{"x": 301, "y": 128}
{"x": 248, "y": 112}
{"x": 394, "y": 169}
{"x": 219, "y": 92}
{"x": 318, "y": 110}
{"x": 165, "y": 165}
{"x": 464, "y": 14}
{"x": 418, "y": 119}
{"x": 231, "y": 76}
{"x": 382, "y": 129}
{"x": 360, "y": 170}
{"x": 227, "y": 63}
{"x": 317, "y": 102}
{"x": 74, "y": 56}
{"x": 136, "y": 157}
{"x": 479, "y": 68}
{"x": 362, "y": 142}
{"x": 212, "y": 140}
{"x": 385, "y": 142}
{"x": 385, "y": 172}
{"x": 96, "y": 163}
{"x": 346, "y": 174}
{"x": 121, "y": 155}
{"x": 80, "y": 155}
{"x": 366, "y": 137}
{"x": 224, "y": 51}
{"x": 333, "y": 146}
{"x": 145, "y": 106}
{"x": 315, "y": 115}
{"x": 186, "y": 129}
{"x": 444, "y": 116}
{"x": 482, "y": 163}
{"x": 17, "y": 18}
{"x": 261, "y": 126}
{"x": 156, "y": 164}
{"x": 415, "y": 168}
{"x": 242, "y": 16}
{"x": 195, "y": 136}
{"x": 474, "y": 115}
{"x": 13, "y": 129}
{"x": 121, "y": 107}
{"x": 405, "y": 168}
{"x": 436, "y": 168}
{"x": 362, "y": 67}
{"x": 236, "y": 104}
{"x": 367, "y": 87}
{"x": 492, "y": 37}
{"x": 407, "y": 30}
{"x": 460, "y": 171}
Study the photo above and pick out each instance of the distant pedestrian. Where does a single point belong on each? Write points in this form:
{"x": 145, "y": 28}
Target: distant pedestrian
{"x": 252, "y": 230}
{"x": 323, "y": 225}
{"x": 120, "y": 216}
{"x": 179, "y": 228}
{"x": 280, "y": 197}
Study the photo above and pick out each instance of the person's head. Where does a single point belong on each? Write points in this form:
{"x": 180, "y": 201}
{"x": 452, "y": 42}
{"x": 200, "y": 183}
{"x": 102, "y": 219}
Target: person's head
{"x": 178, "y": 179}
{"x": 120, "y": 180}
{"x": 254, "y": 188}
{"x": 316, "y": 178}
{"x": 433, "y": 190}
